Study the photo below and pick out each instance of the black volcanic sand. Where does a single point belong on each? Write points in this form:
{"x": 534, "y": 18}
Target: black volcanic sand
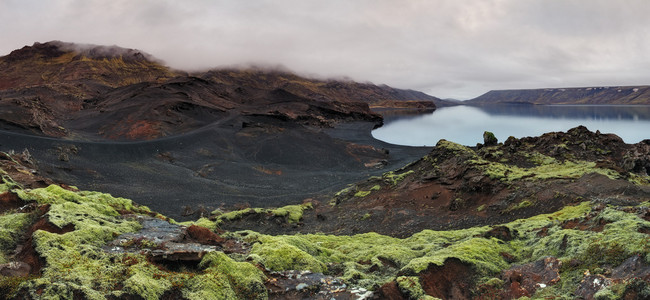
{"x": 249, "y": 160}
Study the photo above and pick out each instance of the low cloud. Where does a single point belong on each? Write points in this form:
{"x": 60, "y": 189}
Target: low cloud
{"x": 448, "y": 48}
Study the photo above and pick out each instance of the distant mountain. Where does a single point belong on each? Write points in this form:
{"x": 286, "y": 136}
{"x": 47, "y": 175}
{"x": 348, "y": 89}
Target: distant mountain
{"x": 585, "y": 95}
{"x": 70, "y": 90}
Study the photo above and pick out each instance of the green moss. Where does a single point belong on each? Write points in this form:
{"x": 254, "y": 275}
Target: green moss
{"x": 393, "y": 178}
{"x": 245, "y": 280}
{"x": 361, "y": 194}
{"x": 212, "y": 285}
{"x": 520, "y": 205}
{"x": 55, "y": 194}
{"x": 484, "y": 254}
{"x": 366, "y": 216}
{"x": 203, "y": 222}
{"x": 566, "y": 169}
{"x": 292, "y": 212}
{"x": 454, "y": 147}
{"x": 344, "y": 191}
{"x": 12, "y": 226}
{"x": 489, "y": 138}
{"x": 146, "y": 281}
{"x": 410, "y": 286}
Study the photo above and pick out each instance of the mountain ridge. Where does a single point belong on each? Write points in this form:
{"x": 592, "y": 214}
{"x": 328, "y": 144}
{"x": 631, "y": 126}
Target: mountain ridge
{"x": 623, "y": 95}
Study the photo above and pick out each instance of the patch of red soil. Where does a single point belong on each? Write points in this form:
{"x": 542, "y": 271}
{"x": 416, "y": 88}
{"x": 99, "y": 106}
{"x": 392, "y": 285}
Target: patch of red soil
{"x": 452, "y": 280}
{"x": 136, "y": 130}
{"x": 9, "y": 201}
{"x": 204, "y": 235}
{"x": 390, "y": 291}
{"x": 267, "y": 171}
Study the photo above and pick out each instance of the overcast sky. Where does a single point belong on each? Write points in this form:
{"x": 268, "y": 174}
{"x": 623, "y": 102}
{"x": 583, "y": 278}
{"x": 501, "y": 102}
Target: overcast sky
{"x": 446, "y": 48}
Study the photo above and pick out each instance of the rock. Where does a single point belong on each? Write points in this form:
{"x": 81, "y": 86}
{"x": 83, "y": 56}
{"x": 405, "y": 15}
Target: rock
{"x": 634, "y": 266}
{"x": 503, "y": 233}
{"x": 163, "y": 241}
{"x": 452, "y": 280}
{"x": 489, "y": 139}
{"x": 591, "y": 284}
{"x": 390, "y": 291}
{"x": 15, "y": 269}
{"x": 524, "y": 280}
{"x": 204, "y": 235}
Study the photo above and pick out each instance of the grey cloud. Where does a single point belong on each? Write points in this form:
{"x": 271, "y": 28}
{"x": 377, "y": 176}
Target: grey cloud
{"x": 448, "y": 48}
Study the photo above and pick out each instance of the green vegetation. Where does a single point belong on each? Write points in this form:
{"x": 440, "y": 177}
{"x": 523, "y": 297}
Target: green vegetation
{"x": 76, "y": 263}
{"x": 393, "y": 178}
{"x": 12, "y": 226}
{"x": 410, "y": 285}
{"x": 362, "y": 194}
{"x": 546, "y": 167}
{"x": 293, "y": 214}
{"x": 489, "y": 138}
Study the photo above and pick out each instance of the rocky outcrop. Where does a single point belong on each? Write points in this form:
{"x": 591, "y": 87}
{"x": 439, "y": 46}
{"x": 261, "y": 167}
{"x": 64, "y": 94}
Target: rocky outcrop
{"x": 464, "y": 186}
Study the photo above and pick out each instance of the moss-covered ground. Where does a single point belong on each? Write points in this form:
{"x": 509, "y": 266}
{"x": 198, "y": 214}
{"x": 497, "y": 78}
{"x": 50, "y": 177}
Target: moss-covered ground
{"x": 76, "y": 263}
{"x": 591, "y": 237}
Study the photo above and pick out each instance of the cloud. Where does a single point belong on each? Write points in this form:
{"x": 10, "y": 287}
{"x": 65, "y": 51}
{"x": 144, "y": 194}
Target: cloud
{"x": 448, "y": 48}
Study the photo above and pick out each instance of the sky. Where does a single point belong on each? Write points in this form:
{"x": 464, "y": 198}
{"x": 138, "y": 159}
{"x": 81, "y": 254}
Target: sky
{"x": 447, "y": 48}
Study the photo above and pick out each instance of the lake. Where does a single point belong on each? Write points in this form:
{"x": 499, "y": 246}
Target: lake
{"x": 465, "y": 124}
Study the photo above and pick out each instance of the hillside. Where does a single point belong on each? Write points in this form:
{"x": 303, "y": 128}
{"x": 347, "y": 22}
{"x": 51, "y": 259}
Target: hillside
{"x": 628, "y": 95}
{"x": 225, "y": 138}
{"x": 564, "y": 215}
{"x": 67, "y": 90}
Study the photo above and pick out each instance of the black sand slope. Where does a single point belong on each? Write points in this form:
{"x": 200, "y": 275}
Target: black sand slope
{"x": 256, "y": 161}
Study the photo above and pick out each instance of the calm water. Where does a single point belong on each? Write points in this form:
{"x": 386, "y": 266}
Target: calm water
{"x": 465, "y": 124}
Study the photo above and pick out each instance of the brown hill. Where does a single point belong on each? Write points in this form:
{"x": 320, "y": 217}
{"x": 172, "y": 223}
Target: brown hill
{"x": 639, "y": 95}
{"x": 40, "y": 85}
{"x": 87, "y": 91}
{"x": 86, "y": 67}
{"x": 464, "y": 187}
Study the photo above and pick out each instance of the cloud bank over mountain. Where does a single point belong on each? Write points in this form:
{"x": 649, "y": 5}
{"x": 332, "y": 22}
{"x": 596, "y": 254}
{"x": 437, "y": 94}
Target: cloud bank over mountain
{"x": 448, "y": 48}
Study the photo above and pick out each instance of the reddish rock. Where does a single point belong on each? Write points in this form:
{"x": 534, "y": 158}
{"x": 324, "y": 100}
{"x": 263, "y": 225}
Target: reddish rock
{"x": 632, "y": 267}
{"x": 524, "y": 280}
{"x": 452, "y": 280}
{"x": 9, "y": 201}
{"x": 390, "y": 291}
{"x": 204, "y": 235}
{"x": 590, "y": 285}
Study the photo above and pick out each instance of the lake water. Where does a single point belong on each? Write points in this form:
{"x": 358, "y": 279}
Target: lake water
{"x": 465, "y": 124}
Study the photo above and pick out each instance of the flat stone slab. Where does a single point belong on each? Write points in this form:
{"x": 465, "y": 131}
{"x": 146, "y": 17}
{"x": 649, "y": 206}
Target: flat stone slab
{"x": 161, "y": 240}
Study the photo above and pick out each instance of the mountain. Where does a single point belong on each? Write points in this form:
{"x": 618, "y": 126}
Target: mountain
{"x": 78, "y": 91}
{"x": 42, "y": 84}
{"x": 119, "y": 121}
{"x": 639, "y": 95}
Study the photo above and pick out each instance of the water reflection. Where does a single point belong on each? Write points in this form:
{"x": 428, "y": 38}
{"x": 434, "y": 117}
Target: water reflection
{"x": 465, "y": 124}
